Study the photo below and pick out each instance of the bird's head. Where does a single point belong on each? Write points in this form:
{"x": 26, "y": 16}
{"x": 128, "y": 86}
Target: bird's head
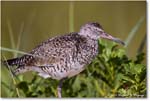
{"x": 95, "y": 31}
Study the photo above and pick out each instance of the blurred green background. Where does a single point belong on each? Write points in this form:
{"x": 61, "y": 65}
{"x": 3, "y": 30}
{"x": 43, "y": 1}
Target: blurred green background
{"x": 32, "y": 22}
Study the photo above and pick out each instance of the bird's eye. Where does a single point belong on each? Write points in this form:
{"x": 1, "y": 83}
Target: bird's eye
{"x": 97, "y": 25}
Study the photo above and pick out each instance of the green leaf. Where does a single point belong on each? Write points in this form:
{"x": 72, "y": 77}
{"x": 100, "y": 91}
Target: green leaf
{"x": 23, "y": 86}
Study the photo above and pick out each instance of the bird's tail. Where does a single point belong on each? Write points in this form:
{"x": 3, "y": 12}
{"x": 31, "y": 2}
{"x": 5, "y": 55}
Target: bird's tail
{"x": 18, "y": 62}
{"x": 12, "y": 62}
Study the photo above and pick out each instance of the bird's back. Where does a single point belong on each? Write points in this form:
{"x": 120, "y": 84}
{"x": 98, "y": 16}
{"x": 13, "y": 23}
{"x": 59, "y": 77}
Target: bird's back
{"x": 58, "y": 57}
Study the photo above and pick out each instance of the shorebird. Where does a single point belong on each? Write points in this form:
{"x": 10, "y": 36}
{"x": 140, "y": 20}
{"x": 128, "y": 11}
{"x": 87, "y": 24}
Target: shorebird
{"x": 63, "y": 56}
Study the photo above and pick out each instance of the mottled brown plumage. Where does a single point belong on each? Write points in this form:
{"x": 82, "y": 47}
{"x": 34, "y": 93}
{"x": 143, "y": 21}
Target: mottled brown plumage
{"x": 58, "y": 57}
{"x": 63, "y": 56}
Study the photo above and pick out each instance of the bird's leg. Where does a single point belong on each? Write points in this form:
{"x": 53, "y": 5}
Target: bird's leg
{"x": 59, "y": 88}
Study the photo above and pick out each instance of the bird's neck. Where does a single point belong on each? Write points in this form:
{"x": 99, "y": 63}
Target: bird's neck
{"x": 88, "y": 39}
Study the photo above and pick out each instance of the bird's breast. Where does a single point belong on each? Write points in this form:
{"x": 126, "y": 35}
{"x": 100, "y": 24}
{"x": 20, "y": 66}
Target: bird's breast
{"x": 87, "y": 52}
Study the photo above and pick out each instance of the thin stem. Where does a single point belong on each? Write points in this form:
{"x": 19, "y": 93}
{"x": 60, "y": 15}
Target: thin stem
{"x": 12, "y": 50}
{"x": 142, "y": 45}
{"x": 17, "y": 90}
{"x": 11, "y": 34}
{"x": 17, "y": 51}
{"x": 19, "y": 39}
{"x": 134, "y": 30}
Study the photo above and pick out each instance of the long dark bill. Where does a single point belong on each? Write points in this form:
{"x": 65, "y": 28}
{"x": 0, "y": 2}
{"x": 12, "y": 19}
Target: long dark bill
{"x": 109, "y": 37}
